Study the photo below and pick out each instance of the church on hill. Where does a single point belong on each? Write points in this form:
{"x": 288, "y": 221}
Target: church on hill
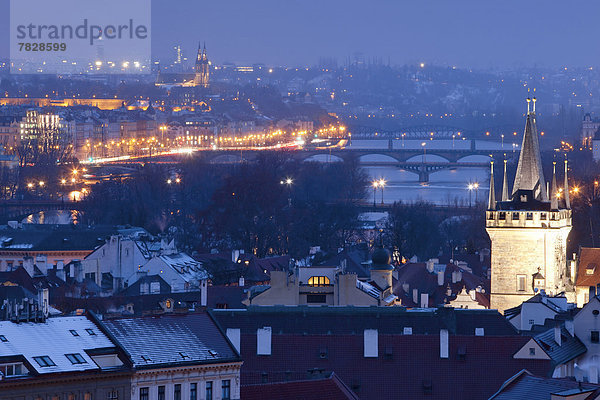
{"x": 528, "y": 228}
{"x": 199, "y": 78}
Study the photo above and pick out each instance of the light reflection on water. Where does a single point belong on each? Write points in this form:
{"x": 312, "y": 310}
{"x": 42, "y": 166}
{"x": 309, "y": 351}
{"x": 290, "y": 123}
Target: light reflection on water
{"x": 54, "y": 217}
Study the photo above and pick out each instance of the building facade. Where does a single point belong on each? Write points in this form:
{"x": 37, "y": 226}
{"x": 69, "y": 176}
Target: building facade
{"x": 528, "y": 230}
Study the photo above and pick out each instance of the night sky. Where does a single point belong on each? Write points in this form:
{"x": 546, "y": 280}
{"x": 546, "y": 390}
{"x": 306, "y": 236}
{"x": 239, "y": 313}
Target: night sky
{"x": 465, "y": 33}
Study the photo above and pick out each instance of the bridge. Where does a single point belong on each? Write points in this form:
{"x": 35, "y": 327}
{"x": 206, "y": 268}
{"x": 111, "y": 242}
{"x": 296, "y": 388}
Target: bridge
{"x": 389, "y": 153}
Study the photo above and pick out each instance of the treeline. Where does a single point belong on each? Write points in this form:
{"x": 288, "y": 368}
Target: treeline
{"x": 272, "y": 205}
{"x": 421, "y": 230}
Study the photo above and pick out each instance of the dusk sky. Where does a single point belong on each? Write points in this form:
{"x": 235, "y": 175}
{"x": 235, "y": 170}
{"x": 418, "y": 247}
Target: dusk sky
{"x": 466, "y": 33}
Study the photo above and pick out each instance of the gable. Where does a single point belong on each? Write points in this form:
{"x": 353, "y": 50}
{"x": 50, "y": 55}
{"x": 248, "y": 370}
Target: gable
{"x": 525, "y": 352}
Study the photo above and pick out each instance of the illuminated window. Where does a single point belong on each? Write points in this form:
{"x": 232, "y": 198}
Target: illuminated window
{"x": 318, "y": 281}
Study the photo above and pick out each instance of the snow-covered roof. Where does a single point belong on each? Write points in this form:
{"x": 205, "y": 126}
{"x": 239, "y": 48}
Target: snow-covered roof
{"x": 184, "y": 265}
{"x": 171, "y": 339}
{"x": 54, "y": 338}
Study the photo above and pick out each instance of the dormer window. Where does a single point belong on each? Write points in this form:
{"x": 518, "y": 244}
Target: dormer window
{"x": 590, "y": 269}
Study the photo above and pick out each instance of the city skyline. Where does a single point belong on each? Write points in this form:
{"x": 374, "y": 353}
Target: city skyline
{"x": 465, "y": 33}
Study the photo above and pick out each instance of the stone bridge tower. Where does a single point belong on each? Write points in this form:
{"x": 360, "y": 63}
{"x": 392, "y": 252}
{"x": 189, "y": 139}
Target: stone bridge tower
{"x": 528, "y": 229}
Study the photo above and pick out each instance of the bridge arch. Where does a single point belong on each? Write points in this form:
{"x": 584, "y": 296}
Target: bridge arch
{"x": 377, "y": 158}
{"x": 428, "y": 158}
{"x": 474, "y": 159}
{"x": 323, "y": 158}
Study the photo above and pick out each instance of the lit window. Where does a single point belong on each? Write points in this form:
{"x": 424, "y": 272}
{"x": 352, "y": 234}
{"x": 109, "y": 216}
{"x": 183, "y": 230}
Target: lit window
{"x": 44, "y": 361}
{"x": 318, "y": 281}
{"x": 76, "y": 358}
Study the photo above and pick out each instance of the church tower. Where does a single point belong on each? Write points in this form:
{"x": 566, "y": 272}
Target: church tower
{"x": 202, "y": 68}
{"x": 529, "y": 230}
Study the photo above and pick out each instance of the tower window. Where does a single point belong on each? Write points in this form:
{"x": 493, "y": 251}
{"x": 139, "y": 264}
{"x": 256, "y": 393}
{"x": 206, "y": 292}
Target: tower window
{"x": 529, "y": 216}
{"x": 318, "y": 281}
{"x": 521, "y": 283}
{"x": 515, "y": 216}
{"x": 502, "y": 215}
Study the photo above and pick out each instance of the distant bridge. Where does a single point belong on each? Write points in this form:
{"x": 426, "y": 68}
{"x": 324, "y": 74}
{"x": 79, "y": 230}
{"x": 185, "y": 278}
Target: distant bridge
{"x": 418, "y": 161}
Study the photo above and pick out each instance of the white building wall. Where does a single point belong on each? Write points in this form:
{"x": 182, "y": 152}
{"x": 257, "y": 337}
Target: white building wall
{"x": 185, "y": 376}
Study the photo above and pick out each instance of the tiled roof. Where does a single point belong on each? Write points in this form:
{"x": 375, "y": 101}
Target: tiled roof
{"x": 525, "y": 386}
{"x": 570, "y": 347}
{"x": 171, "y": 339}
{"x": 407, "y": 366}
{"x": 331, "y": 388}
{"x": 589, "y": 261}
{"x": 352, "y": 320}
{"x": 33, "y": 237}
{"x": 418, "y": 277}
{"x": 53, "y": 338}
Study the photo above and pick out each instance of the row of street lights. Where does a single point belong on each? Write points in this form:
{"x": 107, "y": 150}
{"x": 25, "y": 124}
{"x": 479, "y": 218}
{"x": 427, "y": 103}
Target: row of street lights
{"x": 378, "y": 183}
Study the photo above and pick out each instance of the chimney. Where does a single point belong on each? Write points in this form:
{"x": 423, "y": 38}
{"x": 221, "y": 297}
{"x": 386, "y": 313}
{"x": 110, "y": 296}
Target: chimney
{"x": 241, "y": 282}
{"x": 203, "y": 292}
{"x": 570, "y": 327}
{"x": 440, "y": 278}
{"x": 234, "y": 337}
{"x": 263, "y": 341}
{"x": 416, "y": 296}
{"x": 371, "y": 345}
{"x": 557, "y": 335}
{"x": 424, "y": 300}
{"x": 40, "y": 262}
{"x": 43, "y": 300}
{"x": 28, "y": 265}
{"x": 443, "y": 343}
{"x": 430, "y": 265}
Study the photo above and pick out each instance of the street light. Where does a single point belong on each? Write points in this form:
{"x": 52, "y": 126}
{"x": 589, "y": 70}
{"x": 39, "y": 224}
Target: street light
{"x": 288, "y": 182}
{"x": 476, "y": 187}
{"x": 375, "y": 184}
{"x": 382, "y": 183}
{"x": 424, "y": 150}
{"x": 42, "y": 183}
{"x": 470, "y": 186}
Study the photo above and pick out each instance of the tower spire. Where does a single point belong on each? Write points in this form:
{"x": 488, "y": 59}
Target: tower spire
{"x": 492, "y": 196}
{"x": 554, "y": 189}
{"x": 566, "y": 189}
{"x": 505, "y": 184}
{"x": 530, "y": 175}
